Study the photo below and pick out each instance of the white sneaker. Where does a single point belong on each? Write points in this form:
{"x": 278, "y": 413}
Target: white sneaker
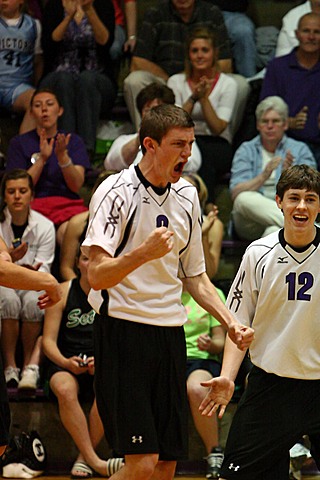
{"x": 29, "y": 378}
{"x": 12, "y": 376}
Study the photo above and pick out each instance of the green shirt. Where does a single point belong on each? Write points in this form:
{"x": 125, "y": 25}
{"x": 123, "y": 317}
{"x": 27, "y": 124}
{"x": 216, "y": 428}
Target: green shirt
{"x": 199, "y": 322}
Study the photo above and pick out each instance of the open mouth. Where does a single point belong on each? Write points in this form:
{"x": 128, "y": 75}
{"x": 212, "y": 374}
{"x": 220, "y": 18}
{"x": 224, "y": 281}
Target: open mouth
{"x": 300, "y": 218}
{"x": 179, "y": 167}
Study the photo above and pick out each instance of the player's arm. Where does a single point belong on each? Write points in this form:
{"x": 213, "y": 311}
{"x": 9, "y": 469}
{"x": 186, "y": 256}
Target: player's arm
{"x": 15, "y": 276}
{"x": 51, "y": 327}
{"x": 105, "y": 271}
{"x": 221, "y": 388}
{"x": 204, "y": 293}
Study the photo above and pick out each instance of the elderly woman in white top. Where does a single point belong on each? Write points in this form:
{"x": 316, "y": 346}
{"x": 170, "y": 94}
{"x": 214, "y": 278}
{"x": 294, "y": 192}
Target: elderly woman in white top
{"x": 209, "y": 97}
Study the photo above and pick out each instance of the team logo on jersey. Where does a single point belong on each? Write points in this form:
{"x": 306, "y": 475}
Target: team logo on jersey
{"x": 146, "y": 200}
{"x": 235, "y": 468}
{"x": 137, "y": 439}
{"x": 237, "y": 294}
{"x": 282, "y": 260}
{"x": 76, "y": 318}
{"x": 113, "y": 216}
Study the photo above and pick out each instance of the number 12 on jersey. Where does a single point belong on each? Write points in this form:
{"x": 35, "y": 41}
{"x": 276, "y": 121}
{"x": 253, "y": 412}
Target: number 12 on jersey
{"x": 298, "y": 285}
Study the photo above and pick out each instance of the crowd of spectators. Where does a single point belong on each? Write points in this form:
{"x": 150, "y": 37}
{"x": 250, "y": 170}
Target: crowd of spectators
{"x": 58, "y": 68}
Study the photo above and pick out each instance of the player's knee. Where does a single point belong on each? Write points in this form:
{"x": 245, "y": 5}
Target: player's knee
{"x": 144, "y": 467}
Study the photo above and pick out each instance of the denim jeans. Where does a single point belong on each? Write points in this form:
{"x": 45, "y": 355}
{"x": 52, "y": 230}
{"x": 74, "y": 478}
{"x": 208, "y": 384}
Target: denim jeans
{"x": 241, "y": 31}
{"x": 116, "y": 49}
{"x": 83, "y": 97}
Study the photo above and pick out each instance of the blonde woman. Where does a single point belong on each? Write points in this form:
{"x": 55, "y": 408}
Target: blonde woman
{"x": 209, "y": 96}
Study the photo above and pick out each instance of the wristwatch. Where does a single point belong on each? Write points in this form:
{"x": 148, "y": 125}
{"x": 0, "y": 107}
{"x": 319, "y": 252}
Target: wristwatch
{"x": 35, "y": 157}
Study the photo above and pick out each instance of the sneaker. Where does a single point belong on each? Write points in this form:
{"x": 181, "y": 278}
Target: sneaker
{"x": 214, "y": 459}
{"x": 113, "y": 465}
{"x": 12, "y": 376}
{"x": 25, "y": 456}
{"x": 298, "y": 456}
{"x": 29, "y": 378}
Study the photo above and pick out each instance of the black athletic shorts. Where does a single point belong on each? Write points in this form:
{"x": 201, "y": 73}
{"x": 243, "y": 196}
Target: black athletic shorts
{"x": 85, "y": 381}
{"x": 209, "y": 365}
{"x": 273, "y": 414}
{"x": 140, "y": 387}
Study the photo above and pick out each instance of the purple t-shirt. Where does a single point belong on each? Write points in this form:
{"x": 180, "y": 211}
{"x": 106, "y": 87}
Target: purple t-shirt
{"x": 299, "y": 87}
{"x": 51, "y": 181}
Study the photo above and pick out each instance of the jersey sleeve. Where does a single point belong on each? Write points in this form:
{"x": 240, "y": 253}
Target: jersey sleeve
{"x": 243, "y": 293}
{"x": 107, "y": 212}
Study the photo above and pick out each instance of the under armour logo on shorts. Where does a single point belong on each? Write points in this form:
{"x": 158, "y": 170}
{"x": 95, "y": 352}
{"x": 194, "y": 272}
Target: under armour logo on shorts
{"x": 137, "y": 439}
{"x": 233, "y": 467}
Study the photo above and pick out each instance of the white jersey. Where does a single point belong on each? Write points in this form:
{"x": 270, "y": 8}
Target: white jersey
{"x": 276, "y": 291}
{"x": 124, "y": 210}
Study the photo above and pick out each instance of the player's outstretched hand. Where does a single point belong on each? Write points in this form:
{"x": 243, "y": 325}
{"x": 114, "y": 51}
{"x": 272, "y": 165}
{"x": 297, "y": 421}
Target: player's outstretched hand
{"x": 219, "y": 395}
{"x": 241, "y": 335}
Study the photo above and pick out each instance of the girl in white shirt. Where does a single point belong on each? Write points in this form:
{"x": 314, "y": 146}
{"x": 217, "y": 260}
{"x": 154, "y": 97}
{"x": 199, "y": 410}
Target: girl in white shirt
{"x": 209, "y": 97}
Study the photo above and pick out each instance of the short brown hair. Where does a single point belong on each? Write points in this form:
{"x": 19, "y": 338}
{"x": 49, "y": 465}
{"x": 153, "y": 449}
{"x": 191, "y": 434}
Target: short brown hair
{"x": 14, "y": 174}
{"x": 45, "y": 90}
{"x": 159, "y": 120}
{"x": 301, "y": 177}
{"x": 154, "y": 91}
